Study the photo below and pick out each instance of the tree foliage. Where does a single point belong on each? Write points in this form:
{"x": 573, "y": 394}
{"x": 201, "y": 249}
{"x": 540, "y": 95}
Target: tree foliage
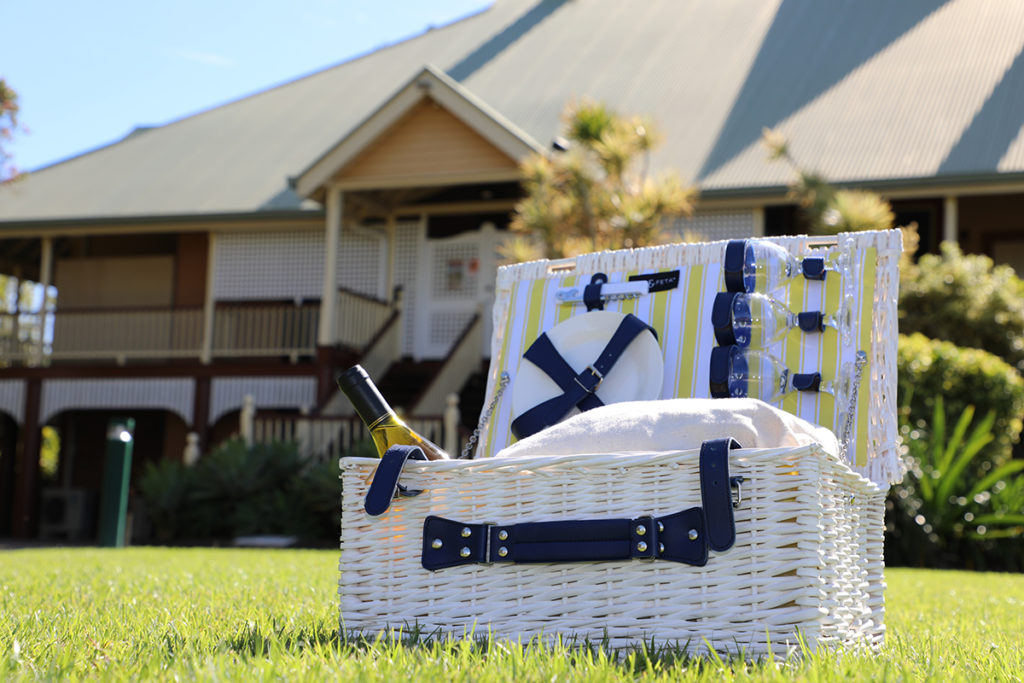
{"x": 965, "y": 299}
{"x": 596, "y": 193}
{"x": 829, "y": 210}
{"x": 8, "y": 125}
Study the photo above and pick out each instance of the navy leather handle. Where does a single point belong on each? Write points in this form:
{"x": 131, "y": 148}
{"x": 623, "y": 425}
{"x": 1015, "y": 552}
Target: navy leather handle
{"x": 385, "y": 480}
{"x": 679, "y": 537}
{"x": 683, "y": 536}
{"x": 716, "y": 492}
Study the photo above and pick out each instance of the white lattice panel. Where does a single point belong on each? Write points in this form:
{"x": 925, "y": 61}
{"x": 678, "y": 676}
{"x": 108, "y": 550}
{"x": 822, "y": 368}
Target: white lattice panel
{"x": 445, "y": 328}
{"x": 455, "y": 271}
{"x": 362, "y": 265}
{"x": 176, "y": 395}
{"x": 408, "y": 247}
{"x": 12, "y": 398}
{"x": 709, "y": 226}
{"x": 227, "y": 393}
{"x": 269, "y": 265}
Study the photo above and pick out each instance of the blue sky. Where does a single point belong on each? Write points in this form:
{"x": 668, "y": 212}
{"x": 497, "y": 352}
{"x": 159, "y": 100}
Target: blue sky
{"x": 88, "y": 73}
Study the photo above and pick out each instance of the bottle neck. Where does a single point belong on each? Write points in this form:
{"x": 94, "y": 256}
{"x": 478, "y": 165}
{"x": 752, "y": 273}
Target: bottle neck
{"x": 365, "y": 397}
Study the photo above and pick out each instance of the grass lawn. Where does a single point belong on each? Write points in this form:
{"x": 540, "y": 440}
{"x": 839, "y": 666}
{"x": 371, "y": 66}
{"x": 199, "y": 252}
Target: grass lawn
{"x": 154, "y": 613}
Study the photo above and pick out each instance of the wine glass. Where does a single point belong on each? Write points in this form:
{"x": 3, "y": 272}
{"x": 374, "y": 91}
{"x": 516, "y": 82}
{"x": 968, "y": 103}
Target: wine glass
{"x": 739, "y": 372}
{"x": 755, "y": 265}
{"x": 759, "y": 321}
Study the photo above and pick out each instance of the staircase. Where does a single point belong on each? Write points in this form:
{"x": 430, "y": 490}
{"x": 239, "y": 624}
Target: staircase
{"x": 405, "y": 380}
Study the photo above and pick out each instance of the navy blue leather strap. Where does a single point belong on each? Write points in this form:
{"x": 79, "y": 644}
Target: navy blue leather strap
{"x": 813, "y": 268}
{"x": 719, "y": 375}
{"x": 385, "y": 480}
{"x": 733, "y": 268}
{"x": 807, "y": 381}
{"x": 578, "y": 389}
{"x": 592, "y": 292}
{"x": 811, "y": 321}
{"x": 721, "y": 318}
{"x": 679, "y": 537}
{"x": 716, "y": 492}
{"x": 683, "y": 536}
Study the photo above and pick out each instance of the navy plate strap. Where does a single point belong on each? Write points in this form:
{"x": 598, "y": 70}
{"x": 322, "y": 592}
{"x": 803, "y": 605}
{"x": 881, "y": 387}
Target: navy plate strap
{"x": 577, "y": 389}
{"x": 385, "y": 484}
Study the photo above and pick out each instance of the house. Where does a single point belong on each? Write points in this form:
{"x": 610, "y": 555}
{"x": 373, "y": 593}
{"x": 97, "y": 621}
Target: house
{"x": 351, "y": 215}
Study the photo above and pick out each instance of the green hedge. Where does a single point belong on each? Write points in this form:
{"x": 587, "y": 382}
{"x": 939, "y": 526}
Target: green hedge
{"x": 929, "y": 368}
{"x": 967, "y": 300}
{"x": 238, "y": 491}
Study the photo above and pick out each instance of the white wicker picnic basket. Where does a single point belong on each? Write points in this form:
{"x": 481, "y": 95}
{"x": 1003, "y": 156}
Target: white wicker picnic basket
{"x": 624, "y": 548}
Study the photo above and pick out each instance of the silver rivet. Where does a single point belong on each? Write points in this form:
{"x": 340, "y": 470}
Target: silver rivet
{"x": 464, "y": 552}
{"x": 641, "y": 546}
{"x": 661, "y": 527}
{"x": 661, "y": 547}
{"x": 436, "y": 544}
{"x": 466, "y": 532}
{"x": 502, "y": 551}
{"x": 502, "y": 535}
{"x": 641, "y": 530}
{"x": 692, "y": 535}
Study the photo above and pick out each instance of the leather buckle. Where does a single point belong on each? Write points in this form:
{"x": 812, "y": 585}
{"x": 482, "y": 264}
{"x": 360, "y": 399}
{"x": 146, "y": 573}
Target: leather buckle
{"x": 737, "y": 491}
{"x": 595, "y": 374}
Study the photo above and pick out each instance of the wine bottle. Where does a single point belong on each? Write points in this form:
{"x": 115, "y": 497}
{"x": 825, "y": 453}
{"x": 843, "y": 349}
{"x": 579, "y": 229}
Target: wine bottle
{"x": 386, "y": 428}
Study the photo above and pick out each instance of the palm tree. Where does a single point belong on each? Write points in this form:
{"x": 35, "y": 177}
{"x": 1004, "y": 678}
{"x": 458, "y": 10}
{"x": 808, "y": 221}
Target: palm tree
{"x": 593, "y": 192}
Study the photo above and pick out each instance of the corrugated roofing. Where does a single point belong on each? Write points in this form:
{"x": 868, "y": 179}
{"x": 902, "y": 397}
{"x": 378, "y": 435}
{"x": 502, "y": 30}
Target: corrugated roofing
{"x": 863, "y": 89}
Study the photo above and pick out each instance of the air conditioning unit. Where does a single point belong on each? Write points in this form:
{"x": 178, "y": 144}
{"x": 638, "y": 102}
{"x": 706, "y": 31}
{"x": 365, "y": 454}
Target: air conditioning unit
{"x": 65, "y": 513}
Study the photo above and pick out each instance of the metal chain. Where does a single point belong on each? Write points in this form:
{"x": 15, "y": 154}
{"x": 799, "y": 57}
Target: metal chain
{"x": 858, "y": 370}
{"x": 485, "y": 417}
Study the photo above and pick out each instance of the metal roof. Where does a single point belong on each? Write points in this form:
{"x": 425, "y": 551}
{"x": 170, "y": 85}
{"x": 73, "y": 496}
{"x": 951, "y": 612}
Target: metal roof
{"x": 865, "y": 90}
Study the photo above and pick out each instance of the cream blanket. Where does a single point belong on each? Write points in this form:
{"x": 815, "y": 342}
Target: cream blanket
{"x": 673, "y": 424}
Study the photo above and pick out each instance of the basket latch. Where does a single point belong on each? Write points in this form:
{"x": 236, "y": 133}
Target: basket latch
{"x": 385, "y": 486}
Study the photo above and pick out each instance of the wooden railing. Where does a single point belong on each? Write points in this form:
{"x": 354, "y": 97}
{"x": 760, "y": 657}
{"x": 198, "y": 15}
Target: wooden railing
{"x": 462, "y": 361}
{"x": 329, "y": 437}
{"x": 240, "y": 329}
{"x": 127, "y": 333}
{"x": 358, "y": 318}
{"x": 261, "y": 329}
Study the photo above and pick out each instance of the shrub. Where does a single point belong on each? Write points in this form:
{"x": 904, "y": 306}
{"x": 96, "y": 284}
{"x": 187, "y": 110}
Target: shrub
{"x": 929, "y": 369}
{"x": 236, "y": 491}
{"x": 940, "y": 517}
{"x": 967, "y": 300}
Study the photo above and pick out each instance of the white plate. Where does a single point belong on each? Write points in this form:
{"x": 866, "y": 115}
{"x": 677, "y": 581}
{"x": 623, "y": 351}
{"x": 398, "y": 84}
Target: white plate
{"x": 636, "y": 376}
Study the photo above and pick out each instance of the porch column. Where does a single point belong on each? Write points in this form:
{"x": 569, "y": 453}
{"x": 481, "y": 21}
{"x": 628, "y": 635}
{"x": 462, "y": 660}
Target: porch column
{"x": 329, "y": 294}
{"x": 26, "y": 501}
{"x": 206, "y": 353}
{"x": 758, "y": 216}
{"x": 392, "y": 229}
{"x": 45, "y": 279}
{"x": 951, "y": 220}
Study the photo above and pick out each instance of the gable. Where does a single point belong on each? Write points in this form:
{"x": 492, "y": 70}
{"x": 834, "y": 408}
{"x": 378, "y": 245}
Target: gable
{"x": 427, "y": 146}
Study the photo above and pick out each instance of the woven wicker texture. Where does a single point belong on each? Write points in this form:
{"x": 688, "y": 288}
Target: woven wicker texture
{"x": 525, "y": 307}
{"x": 807, "y": 560}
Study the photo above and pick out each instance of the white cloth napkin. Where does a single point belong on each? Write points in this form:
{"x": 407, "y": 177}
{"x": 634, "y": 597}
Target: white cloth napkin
{"x": 673, "y": 424}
